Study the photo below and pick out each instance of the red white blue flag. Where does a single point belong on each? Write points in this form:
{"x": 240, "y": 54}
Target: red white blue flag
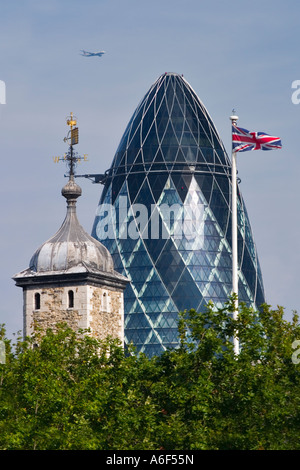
{"x": 243, "y": 140}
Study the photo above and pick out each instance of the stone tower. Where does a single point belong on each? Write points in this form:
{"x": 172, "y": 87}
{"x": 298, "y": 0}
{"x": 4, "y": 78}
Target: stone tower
{"x": 71, "y": 279}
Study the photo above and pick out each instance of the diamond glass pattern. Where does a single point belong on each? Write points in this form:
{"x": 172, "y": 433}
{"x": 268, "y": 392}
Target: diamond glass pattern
{"x": 171, "y": 153}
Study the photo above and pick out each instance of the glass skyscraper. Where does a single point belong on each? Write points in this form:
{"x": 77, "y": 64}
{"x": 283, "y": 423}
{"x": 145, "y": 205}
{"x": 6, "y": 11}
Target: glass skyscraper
{"x": 165, "y": 216}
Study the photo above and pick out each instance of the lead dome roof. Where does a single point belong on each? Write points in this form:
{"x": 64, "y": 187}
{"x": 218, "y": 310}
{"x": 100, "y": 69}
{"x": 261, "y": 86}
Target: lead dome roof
{"x": 71, "y": 248}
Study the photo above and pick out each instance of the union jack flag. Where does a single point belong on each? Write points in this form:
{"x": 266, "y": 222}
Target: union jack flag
{"x": 243, "y": 140}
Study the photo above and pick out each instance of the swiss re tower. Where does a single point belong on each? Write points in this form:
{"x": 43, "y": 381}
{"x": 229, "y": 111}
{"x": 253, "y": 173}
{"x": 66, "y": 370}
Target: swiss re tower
{"x": 171, "y": 155}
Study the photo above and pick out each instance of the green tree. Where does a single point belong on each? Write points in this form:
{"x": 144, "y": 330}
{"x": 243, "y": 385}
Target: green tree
{"x": 67, "y": 390}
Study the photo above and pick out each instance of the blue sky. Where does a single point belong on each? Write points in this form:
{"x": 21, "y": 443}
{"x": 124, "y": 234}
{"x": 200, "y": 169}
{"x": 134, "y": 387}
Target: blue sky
{"x": 234, "y": 54}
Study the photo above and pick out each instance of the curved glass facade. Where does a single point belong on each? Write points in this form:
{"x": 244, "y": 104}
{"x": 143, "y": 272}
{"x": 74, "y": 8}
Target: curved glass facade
{"x": 165, "y": 216}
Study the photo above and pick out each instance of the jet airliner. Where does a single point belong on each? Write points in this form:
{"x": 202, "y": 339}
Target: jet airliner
{"x": 92, "y": 54}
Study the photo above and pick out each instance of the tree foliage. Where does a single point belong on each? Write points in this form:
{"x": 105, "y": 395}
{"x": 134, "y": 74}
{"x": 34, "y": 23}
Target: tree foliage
{"x": 67, "y": 390}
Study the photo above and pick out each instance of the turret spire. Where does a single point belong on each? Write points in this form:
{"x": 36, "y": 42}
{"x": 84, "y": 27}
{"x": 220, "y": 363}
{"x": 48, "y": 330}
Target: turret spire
{"x": 71, "y": 191}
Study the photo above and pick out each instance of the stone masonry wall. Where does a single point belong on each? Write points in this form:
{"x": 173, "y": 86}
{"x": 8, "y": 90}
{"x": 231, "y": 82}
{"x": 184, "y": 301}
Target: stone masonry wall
{"x": 106, "y": 313}
{"x": 54, "y": 309}
{"x": 100, "y": 309}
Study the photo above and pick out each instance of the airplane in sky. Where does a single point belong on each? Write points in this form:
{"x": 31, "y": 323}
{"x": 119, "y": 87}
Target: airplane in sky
{"x": 92, "y": 54}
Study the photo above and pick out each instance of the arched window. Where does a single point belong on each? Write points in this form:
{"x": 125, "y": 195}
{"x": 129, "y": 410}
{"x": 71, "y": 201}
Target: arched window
{"x": 104, "y": 302}
{"x": 37, "y": 301}
{"x": 70, "y": 299}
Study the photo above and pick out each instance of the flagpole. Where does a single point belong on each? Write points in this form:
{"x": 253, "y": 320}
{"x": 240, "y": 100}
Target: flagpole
{"x": 235, "y": 289}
